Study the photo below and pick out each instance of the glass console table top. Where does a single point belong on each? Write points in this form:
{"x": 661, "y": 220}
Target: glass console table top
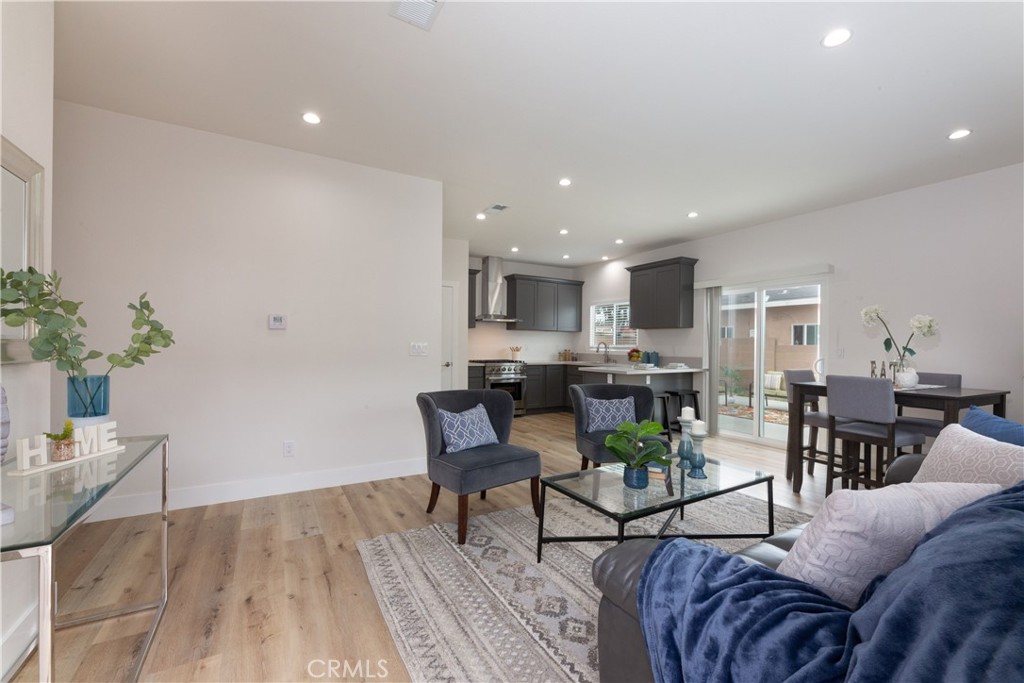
{"x": 49, "y": 503}
{"x": 602, "y": 488}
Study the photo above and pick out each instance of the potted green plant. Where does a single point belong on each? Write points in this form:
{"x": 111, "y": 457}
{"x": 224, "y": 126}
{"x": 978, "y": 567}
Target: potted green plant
{"x": 28, "y": 295}
{"x": 631, "y": 443}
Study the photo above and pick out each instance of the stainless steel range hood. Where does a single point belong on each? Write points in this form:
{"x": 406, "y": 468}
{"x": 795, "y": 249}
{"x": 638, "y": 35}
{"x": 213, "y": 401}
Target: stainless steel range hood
{"x": 492, "y": 279}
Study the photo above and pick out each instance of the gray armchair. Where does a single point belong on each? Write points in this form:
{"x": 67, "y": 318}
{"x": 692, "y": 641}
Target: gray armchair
{"x": 481, "y": 467}
{"x": 590, "y": 445}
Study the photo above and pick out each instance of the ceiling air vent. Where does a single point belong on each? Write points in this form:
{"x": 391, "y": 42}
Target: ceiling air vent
{"x": 419, "y": 13}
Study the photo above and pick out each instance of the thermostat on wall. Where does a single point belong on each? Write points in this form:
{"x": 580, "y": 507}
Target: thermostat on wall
{"x": 276, "y": 321}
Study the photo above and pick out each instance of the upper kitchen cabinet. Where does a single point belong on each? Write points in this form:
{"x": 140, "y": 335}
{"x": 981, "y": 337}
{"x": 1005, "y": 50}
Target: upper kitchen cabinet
{"x": 545, "y": 303}
{"x": 661, "y": 294}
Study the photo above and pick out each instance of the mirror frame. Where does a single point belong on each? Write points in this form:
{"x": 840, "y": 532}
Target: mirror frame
{"x": 28, "y": 170}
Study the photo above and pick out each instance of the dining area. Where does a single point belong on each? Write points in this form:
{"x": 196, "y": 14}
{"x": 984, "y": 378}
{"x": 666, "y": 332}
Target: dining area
{"x": 864, "y": 415}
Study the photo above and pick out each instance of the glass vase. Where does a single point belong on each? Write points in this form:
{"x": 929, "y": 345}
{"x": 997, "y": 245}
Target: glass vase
{"x": 697, "y": 460}
{"x": 62, "y": 449}
{"x": 685, "y": 443}
{"x": 89, "y": 397}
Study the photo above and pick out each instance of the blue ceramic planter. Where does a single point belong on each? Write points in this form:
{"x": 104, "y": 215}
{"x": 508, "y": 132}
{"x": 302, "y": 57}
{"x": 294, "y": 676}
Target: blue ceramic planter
{"x": 89, "y": 397}
{"x": 635, "y": 477}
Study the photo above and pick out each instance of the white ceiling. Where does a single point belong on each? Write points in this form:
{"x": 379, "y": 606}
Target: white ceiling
{"x": 654, "y": 110}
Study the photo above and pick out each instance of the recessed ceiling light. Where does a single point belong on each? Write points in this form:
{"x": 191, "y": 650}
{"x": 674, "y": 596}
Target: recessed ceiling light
{"x": 836, "y": 37}
{"x": 515, "y": 248}
{"x": 565, "y": 256}
{"x": 604, "y": 258}
{"x": 957, "y": 134}
{"x": 481, "y": 216}
{"x": 618, "y": 241}
{"x": 311, "y": 117}
{"x": 692, "y": 214}
{"x": 563, "y": 231}
{"x": 565, "y": 182}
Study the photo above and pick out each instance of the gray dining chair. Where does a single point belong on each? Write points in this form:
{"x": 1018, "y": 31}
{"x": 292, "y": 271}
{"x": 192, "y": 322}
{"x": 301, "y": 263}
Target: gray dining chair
{"x": 925, "y": 425}
{"x": 478, "y": 468}
{"x": 869, "y": 405}
{"x": 814, "y": 418}
{"x": 590, "y": 441}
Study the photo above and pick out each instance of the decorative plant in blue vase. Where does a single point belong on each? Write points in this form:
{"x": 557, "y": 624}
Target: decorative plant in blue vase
{"x": 30, "y": 296}
{"x": 629, "y": 445}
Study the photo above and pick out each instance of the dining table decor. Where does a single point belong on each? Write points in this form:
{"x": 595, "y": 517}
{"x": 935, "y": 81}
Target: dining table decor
{"x": 904, "y": 376}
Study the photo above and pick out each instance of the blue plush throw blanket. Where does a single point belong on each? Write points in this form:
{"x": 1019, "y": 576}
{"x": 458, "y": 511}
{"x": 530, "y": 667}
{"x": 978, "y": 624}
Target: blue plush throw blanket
{"x": 953, "y": 612}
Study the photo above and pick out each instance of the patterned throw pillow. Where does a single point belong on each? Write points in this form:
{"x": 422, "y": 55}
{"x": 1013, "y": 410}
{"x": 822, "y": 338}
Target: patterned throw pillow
{"x": 467, "y": 429}
{"x": 959, "y": 454}
{"x": 858, "y": 535}
{"x": 608, "y": 414}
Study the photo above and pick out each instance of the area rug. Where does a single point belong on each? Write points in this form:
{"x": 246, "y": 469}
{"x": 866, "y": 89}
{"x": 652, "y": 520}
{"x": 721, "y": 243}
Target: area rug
{"x": 487, "y": 611}
{"x": 772, "y": 415}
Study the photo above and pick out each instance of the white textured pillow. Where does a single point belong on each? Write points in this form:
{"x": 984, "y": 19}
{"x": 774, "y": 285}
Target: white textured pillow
{"x": 959, "y": 454}
{"x": 859, "y": 535}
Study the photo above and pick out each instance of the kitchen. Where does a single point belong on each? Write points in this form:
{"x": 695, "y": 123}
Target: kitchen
{"x": 546, "y": 313}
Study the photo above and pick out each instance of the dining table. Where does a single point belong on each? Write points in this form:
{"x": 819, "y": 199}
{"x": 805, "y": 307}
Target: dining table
{"x": 950, "y": 400}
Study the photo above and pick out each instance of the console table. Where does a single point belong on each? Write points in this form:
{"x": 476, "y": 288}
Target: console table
{"x": 42, "y": 520}
{"x": 947, "y": 399}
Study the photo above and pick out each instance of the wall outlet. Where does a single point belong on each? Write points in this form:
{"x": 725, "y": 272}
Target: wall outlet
{"x": 417, "y": 348}
{"x": 288, "y": 450}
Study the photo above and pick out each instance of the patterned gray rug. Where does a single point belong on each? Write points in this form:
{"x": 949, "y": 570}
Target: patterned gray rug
{"x": 487, "y": 611}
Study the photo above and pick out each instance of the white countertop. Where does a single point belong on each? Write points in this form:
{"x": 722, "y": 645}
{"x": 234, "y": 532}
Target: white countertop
{"x": 630, "y": 370}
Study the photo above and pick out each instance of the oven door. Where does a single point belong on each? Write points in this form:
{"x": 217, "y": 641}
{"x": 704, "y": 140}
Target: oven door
{"x": 515, "y": 385}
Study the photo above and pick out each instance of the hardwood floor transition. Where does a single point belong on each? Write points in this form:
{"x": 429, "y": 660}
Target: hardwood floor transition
{"x": 273, "y": 589}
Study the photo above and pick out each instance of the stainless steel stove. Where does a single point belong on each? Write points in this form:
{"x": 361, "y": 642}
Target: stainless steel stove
{"x": 507, "y": 375}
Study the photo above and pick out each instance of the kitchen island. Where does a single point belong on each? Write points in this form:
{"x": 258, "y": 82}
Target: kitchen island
{"x": 660, "y": 380}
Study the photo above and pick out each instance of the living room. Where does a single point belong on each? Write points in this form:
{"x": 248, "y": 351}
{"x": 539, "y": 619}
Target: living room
{"x": 222, "y": 231}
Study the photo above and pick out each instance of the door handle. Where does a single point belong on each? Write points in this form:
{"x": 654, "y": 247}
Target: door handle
{"x": 446, "y": 364}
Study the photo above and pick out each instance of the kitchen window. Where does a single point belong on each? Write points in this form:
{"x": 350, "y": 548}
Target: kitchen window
{"x": 609, "y": 323}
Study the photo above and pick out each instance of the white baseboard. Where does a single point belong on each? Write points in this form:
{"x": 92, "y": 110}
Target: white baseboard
{"x": 116, "y": 506}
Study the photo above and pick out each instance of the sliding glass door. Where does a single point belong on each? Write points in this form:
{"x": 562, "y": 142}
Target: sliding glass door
{"x": 763, "y": 331}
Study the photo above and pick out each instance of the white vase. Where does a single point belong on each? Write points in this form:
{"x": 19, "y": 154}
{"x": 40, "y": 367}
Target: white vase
{"x": 906, "y": 378}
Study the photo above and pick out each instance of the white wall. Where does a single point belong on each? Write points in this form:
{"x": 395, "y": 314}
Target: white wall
{"x": 222, "y": 232}
{"x": 952, "y": 250}
{"x": 26, "y": 119}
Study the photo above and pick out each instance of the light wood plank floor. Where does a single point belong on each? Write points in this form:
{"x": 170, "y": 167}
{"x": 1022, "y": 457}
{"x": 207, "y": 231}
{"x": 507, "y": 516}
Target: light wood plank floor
{"x": 262, "y": 587}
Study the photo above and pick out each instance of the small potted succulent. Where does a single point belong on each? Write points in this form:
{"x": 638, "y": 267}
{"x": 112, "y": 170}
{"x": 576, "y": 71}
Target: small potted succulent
{"x": 632, "y": 444}
{"x": 63, "y": 442}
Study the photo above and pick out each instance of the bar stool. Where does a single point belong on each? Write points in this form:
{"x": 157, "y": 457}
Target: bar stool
{"x": 692, "y": 397}
{"x": 665, "y": 400}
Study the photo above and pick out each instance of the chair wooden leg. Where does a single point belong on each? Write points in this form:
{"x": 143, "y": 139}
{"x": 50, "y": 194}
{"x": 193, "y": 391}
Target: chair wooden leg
{"x": 483, "y": 495}
{"x": 583, "y": 463}
{"x": 435, "y": 490}
{"x": 830, "y": 468}
{"x": 463, "y": 517}
{"x": 813, "y": 452}
{"x": 535, "y": 494}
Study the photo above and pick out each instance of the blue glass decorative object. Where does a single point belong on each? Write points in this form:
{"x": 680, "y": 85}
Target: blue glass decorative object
{"x": 697, "y": 460}
{"x": 89, "y": 397}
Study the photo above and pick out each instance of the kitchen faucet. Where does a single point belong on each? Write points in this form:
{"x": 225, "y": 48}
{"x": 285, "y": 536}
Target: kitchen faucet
{"x": 607, "y": 357}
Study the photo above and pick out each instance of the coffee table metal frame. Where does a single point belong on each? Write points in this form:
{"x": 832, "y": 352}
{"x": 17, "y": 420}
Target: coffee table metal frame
{"x": 609, "y": 478}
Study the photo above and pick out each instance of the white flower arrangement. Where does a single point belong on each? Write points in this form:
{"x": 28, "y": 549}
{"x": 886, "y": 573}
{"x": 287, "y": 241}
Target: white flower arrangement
{"x": 924, "y": 325}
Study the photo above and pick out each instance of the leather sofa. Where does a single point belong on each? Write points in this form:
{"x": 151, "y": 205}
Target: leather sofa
{"x": 616, "y": 573}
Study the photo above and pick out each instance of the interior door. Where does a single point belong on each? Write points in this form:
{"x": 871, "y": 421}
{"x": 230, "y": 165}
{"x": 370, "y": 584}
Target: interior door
{"x": 447, "y": 335}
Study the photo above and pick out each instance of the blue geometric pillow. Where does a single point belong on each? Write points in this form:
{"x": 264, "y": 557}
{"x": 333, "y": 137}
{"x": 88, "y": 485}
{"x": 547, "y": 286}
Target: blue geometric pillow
{"x": 467, "y": 429}
{"x": 610, "y": 413}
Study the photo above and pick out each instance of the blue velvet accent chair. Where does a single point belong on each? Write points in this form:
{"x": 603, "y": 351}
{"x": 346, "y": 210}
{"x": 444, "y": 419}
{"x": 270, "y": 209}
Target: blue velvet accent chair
{"x": 590, "y": 445}
{"x": 869, "y": 406}
{"x": 481, "y": 467}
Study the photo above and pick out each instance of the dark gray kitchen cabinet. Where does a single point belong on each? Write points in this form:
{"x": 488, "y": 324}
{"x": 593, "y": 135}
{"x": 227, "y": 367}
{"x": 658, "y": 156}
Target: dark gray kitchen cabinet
{"x": 476, "y": 377}
{"x": 573, "y": 375}
{"x": 472, "y": 298}
{"x": 661, "y": 294}
{"x": 536, "y": 391}
{"x": 545, "y": 304}
{"x": 554, "y": 386}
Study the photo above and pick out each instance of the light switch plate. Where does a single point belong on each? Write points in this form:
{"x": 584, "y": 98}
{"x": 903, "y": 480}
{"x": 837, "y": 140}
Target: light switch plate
{"x": 417, "y": 348}
{"x": 277, "y": 321}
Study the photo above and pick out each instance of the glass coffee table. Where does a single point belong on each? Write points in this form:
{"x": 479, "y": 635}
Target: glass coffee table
{"x": 602, "y": 489}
